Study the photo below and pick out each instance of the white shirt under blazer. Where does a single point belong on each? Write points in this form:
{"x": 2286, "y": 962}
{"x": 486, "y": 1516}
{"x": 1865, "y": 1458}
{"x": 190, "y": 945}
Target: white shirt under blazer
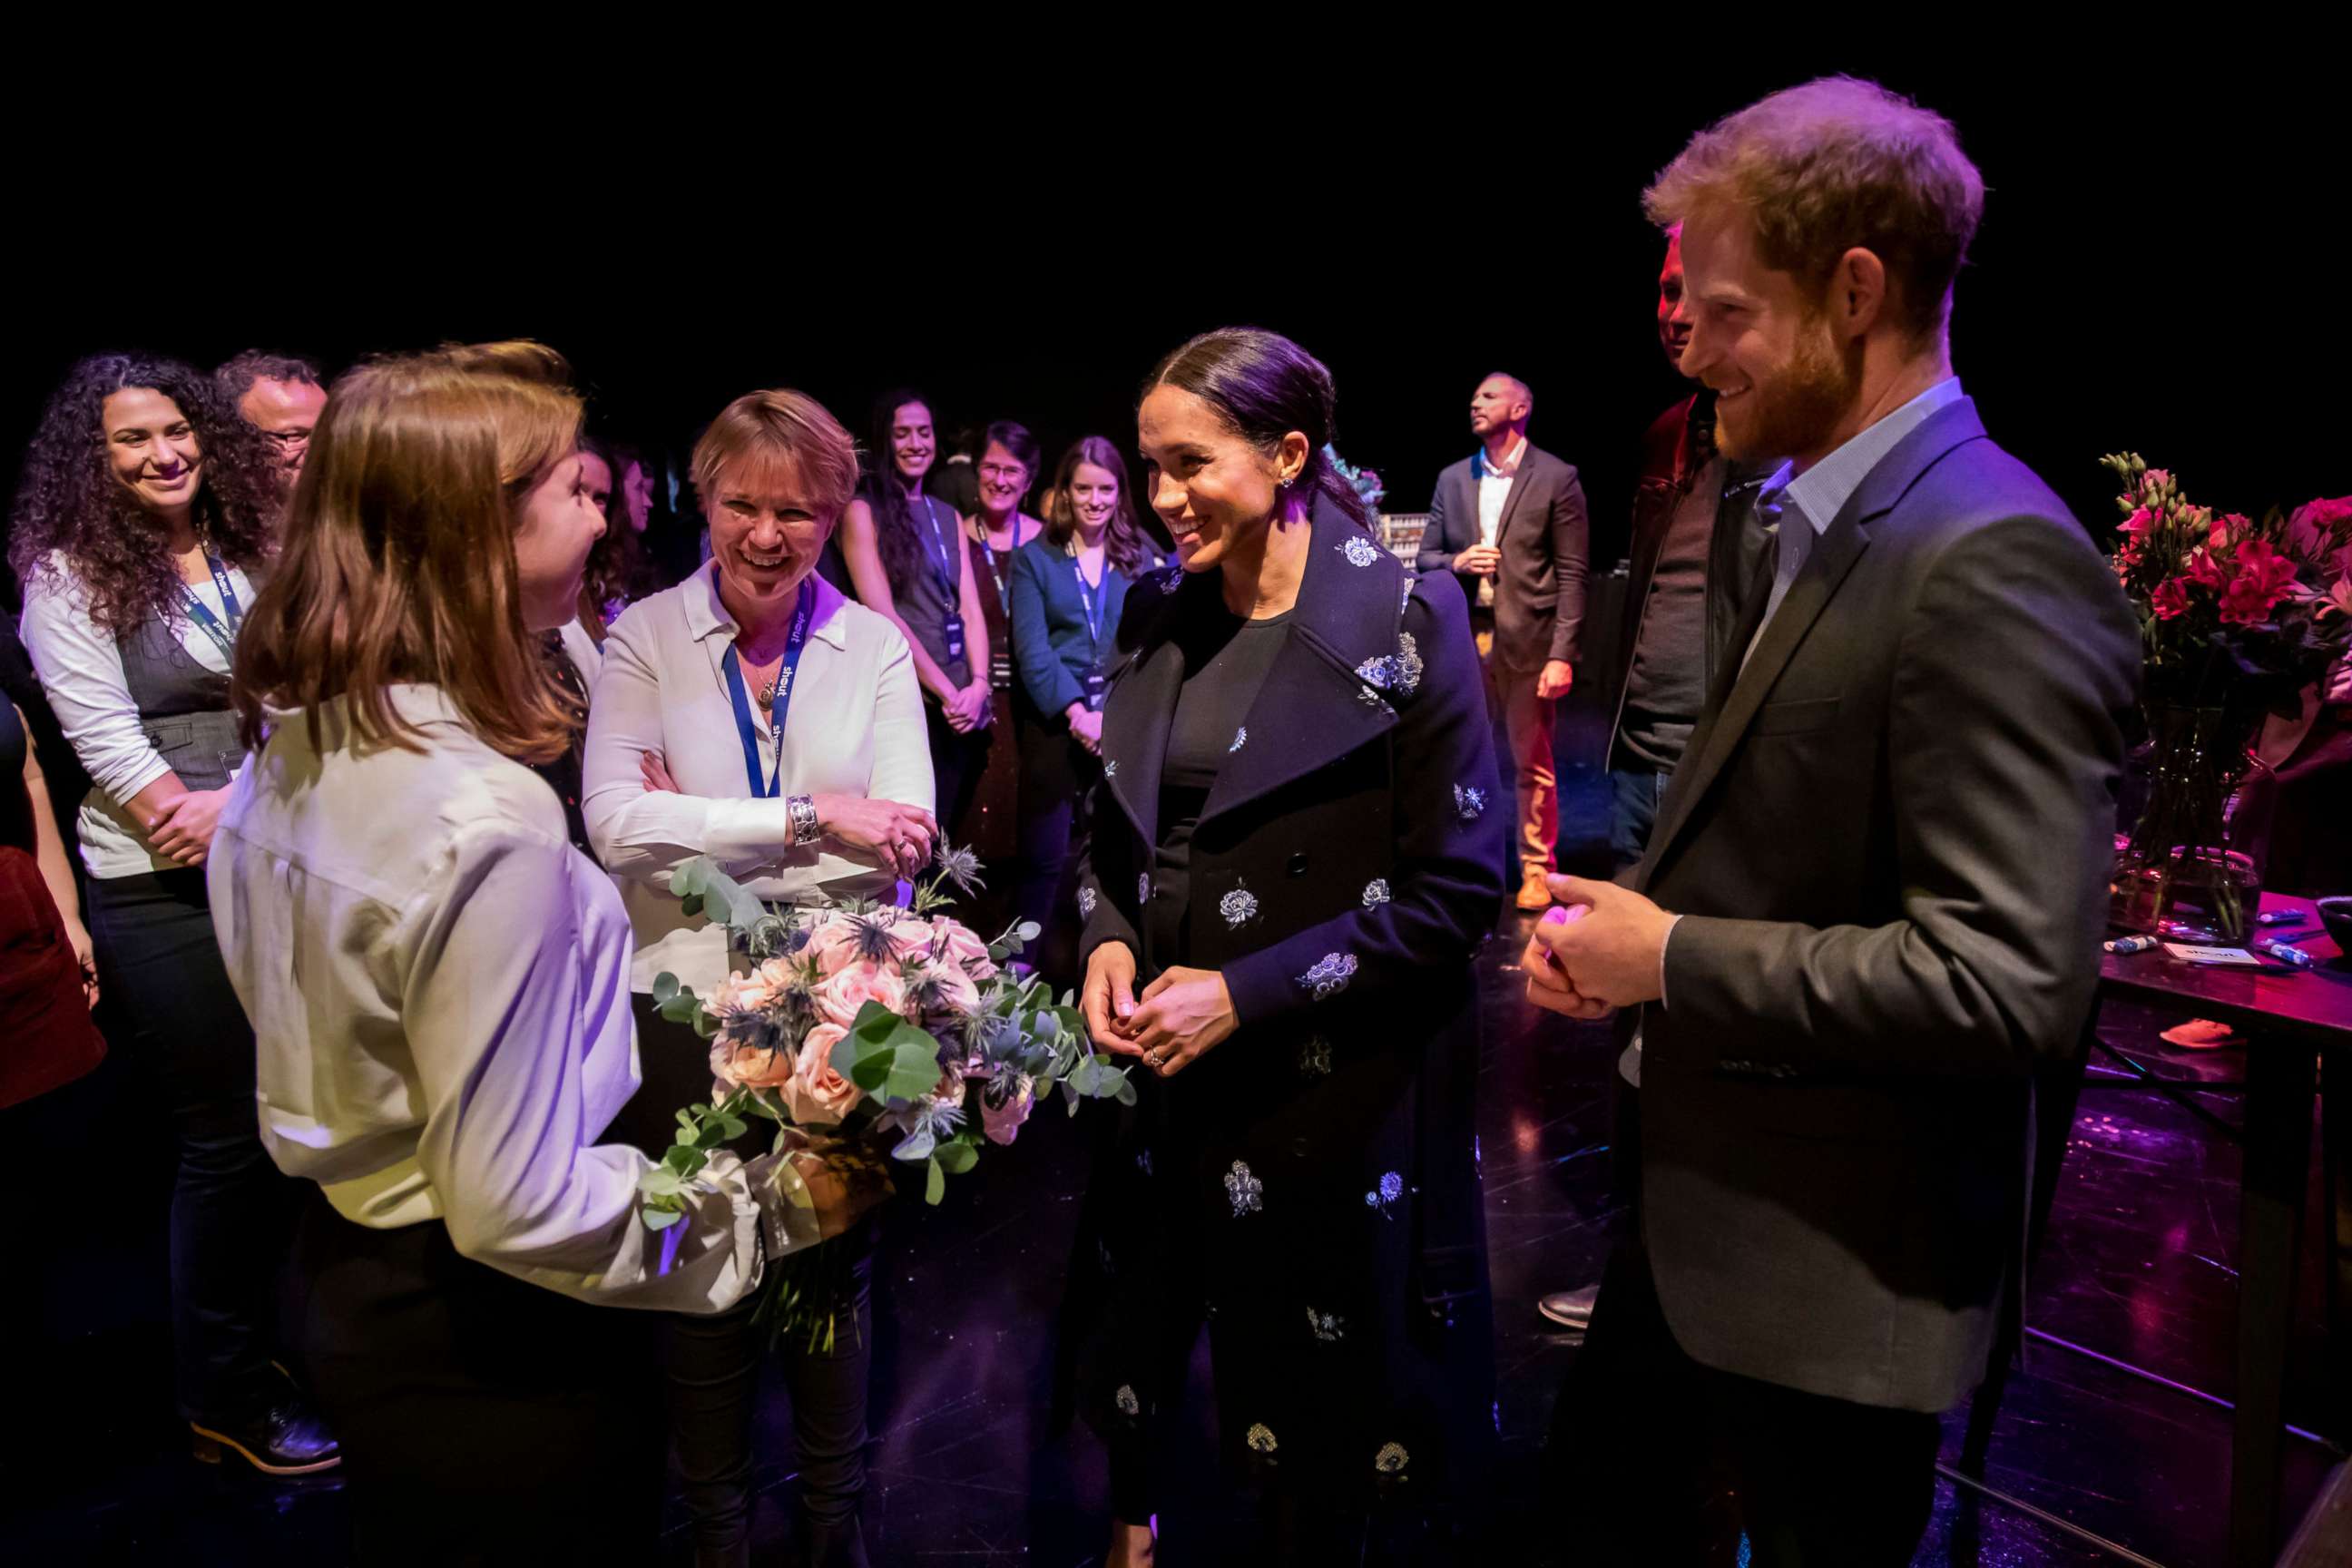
{"x": 437, "y": 986}
{"x": 855, "y": 727}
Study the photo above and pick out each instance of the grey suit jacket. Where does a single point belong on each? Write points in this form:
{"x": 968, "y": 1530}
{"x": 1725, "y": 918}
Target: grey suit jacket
{"x": 1890, "y": 839}
{"x": 1540, "y": 590}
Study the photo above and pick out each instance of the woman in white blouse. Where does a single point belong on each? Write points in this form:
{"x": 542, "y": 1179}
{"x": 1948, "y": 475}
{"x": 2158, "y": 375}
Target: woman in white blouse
{"x": 754, "y": 715}
{"x": 143, "y": 522}
{"x": 438, "y": 984}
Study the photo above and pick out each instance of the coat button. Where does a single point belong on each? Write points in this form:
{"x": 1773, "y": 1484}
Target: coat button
{"x": 1298, "y": 865}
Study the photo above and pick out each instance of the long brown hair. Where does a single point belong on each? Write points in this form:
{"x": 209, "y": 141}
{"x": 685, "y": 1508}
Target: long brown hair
{"x": 72, "y": 514}
{"x": 1123, "y": 540}
{"x": 398, "y": 561}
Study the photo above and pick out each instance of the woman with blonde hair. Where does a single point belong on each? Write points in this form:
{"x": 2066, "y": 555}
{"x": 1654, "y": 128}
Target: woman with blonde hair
{"x": 753, "y": 715}
{"x": 438, "y": 983}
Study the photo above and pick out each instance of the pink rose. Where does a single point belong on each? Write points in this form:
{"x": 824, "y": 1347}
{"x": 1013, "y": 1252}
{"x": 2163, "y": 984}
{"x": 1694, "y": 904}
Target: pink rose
{"x": 953, "y": 988}
{"x": 814, "y": 1093}
{"x": 961, "y": 943}
{"x": 2203, "y": 569}
{"x": 2170, "y": 599}
{"x": 748, "y": 1066}
{"x": 1002, "y": 1114}
{"x": 2137, "y": 525}
{"x": 751, "y": 993}
{"x": 837, "y": 942}
{"x": 849, "y": 988}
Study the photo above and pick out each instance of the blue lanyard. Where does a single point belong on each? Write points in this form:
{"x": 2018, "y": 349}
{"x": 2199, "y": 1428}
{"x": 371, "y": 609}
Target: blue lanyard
{"x": 223, "y": 637}
{"x": 951, "y": 580}
{"x": 772, "y": 785}
{"x": 1093, "y": 606}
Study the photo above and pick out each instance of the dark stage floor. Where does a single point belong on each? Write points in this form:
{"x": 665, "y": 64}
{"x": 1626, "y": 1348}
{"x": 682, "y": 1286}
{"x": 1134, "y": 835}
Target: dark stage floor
{"x": 2138, "y": 1265}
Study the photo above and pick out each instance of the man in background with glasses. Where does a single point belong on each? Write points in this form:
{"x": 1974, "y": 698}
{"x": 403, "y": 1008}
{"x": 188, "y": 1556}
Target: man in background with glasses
{"x": 281, "y": 396}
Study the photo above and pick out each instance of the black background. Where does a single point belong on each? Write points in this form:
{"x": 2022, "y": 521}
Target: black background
{"x": 2158, "y": 267}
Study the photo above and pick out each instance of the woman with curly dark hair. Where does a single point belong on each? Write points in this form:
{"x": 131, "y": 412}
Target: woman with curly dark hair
{"x": 142, "y": 525}
{"x": 907, "y": 558}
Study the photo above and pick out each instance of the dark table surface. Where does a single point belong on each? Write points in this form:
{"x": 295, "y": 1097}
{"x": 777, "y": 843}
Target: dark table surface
{"x": 2314, "y": 1001}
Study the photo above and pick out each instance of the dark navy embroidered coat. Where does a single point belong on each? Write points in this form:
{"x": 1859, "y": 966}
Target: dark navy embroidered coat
{"x": 1310, "y": 1184}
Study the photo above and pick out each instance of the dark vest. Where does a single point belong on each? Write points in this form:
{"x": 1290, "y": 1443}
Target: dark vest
{"x": 182, "y": 706}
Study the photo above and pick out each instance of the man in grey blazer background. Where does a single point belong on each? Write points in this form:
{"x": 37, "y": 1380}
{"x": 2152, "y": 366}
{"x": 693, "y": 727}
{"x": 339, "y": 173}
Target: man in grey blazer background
{"x": 1509, "y": 521}
{"x": 1874, "y": 897}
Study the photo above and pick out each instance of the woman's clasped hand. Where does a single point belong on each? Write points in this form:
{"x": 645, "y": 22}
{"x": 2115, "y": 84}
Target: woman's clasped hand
{"x": 1181, "y": 1015}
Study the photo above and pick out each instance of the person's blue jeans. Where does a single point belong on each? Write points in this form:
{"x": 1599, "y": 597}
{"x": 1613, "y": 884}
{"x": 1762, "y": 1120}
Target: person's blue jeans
{"x": 1634, "y": 797}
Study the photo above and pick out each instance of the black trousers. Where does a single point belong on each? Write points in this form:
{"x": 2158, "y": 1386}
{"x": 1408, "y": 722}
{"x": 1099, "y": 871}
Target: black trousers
{"x": 482, "y": 1419}
{"x": 714, "y": 1385}
{"x": 957, "y": 762}
{"x": 233, "y": 1211}
{"x": 1056, "y": 775}
{"x": 1655, "y": 1459}
{"x": 713, "y": 1362}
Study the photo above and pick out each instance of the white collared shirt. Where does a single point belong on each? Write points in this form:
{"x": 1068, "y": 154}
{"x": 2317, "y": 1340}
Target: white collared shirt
{"x": 855, "y": 727}
{"x": 80, "y": 667}
{"x": 437, "y": 982}
{"x": 1494, "y": 494}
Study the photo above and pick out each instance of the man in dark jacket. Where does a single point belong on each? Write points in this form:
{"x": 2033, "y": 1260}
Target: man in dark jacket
{"x": 1509, "y": 520}
{"x": 1873, "y": 900}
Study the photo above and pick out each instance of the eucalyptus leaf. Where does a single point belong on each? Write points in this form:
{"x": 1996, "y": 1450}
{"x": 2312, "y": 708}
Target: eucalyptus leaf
{"x": 662, "y": 1219}
{"x": 936, "y": 1187}
{"x": 958, "y": 1157}
{"x": 664, "y": 986}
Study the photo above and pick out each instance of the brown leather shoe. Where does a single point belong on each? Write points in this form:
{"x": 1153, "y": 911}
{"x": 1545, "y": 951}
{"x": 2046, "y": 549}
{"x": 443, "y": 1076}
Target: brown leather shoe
{"x": 1534, "y": 893}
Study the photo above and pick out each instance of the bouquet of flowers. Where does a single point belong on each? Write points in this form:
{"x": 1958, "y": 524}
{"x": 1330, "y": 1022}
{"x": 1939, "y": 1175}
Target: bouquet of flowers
{"x": 863, "y": 1029}
{"x": 2237, "y": 618}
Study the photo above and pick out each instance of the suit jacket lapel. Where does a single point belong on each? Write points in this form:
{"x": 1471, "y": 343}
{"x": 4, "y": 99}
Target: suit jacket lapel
{"x": 1517, "y": 493}
{"x": 1142, "y": 704}
{"x": 1334, "y": 686}
{"x": 1841, "y": 544}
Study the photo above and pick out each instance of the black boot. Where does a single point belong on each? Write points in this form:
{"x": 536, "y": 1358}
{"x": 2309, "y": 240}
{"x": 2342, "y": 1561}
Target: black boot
{"x": 289, "y": 1438}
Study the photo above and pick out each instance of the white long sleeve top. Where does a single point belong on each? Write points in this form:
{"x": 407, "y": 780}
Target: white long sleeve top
{"x": 80, "y": 668}
{"x": 437, "y": 982}
{"x": 855, "y": 727}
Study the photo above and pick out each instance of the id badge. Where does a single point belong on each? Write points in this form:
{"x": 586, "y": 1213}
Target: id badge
{"x": 1097, "y": 687}
{"x": 951, "y": 634}
{"x": 1000, "y": 671}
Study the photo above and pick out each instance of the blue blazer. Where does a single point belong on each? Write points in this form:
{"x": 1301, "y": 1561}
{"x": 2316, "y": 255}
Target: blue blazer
{"x": 1050, "y": 646}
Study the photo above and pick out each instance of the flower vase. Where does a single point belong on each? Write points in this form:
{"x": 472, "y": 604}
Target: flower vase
{"x": 2178, "y": 865}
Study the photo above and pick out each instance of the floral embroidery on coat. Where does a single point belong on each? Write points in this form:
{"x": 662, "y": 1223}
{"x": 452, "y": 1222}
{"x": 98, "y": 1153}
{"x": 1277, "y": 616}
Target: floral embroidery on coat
{"x": 1331, "y": 975}
{"x": 1143, "y": 888}
{"x": 1239, "y": 908}
{"x": 1376, "y": 891}
{"x": 1246, "y": 1192}
{"x": 1314, "y": 1057}
{"x": 1241, "y": 739}
{"x": 1385, "y": 1196}
{"x": 1392, "y": 1459}
{"x": 1469, "y": 802}
{"x": 1260, "y": 1438}
{"x": 1128, "y": 1404}
{"x": 1359, "y": 550}
{"x": 1328, "y": 1326}
{"x": 1086, "y": 903}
